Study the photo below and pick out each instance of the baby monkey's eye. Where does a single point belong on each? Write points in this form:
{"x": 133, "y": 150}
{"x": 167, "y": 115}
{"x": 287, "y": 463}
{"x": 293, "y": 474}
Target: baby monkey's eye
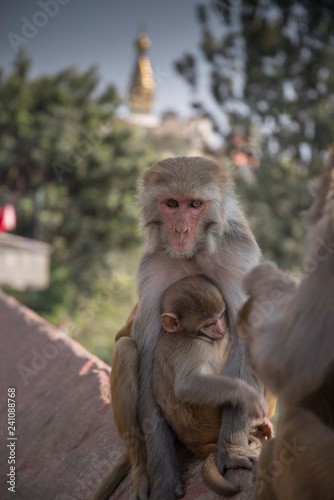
{"x": 172, "y": 203}
{"x": 208, "y": 325}
{"x": 196, "y": 204}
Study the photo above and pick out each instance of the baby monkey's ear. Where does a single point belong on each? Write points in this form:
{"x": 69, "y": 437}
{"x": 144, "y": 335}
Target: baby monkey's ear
{"x": 170, "y": 322}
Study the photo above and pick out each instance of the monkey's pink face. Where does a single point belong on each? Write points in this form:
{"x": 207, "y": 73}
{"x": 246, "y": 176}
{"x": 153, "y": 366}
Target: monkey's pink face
{"x": 182, "y": 216}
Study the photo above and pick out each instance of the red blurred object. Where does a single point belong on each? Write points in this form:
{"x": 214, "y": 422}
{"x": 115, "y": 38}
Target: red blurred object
{"x": 7, "y": 218}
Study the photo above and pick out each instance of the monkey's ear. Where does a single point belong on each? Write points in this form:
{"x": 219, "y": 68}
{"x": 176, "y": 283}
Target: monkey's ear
{"x": 170, "y": 322}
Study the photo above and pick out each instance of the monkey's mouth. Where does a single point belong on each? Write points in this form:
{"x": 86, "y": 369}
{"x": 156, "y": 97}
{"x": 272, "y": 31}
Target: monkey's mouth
{"x": 182, "y": 245}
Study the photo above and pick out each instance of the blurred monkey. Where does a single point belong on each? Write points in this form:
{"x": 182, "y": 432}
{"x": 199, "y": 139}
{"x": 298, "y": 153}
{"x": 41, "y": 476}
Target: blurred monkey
{"x": 291, "y": 346}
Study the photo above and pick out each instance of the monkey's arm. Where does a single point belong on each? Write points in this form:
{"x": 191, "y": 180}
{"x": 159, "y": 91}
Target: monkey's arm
{"x": 236, "y": 257}
{"x": 215, "y": 390}
{"x": 261, "y": 322}
{"x": 282, "y": 322}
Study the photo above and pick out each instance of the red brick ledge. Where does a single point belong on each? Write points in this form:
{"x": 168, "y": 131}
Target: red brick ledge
{"x": 66, "y": 436}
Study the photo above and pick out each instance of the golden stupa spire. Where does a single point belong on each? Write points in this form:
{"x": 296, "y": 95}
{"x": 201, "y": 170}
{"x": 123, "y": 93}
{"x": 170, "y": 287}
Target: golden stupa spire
{"x": 142, "y": 83}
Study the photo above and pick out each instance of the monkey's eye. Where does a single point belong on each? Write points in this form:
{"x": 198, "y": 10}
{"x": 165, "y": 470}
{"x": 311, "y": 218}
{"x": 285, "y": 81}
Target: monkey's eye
{"x": 172, "y": 203}
{"x": 196, "y": 204}
{"x": 209, "y": 325}
{"x": 223, "y": 313}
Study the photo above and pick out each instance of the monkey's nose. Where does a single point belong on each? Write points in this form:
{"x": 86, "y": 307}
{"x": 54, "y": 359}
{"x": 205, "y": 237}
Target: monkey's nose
{"x": 221, "y": 327}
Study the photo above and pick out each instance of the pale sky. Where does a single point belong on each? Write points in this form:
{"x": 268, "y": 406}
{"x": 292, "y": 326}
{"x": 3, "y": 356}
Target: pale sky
{"x": 102, "y": 33}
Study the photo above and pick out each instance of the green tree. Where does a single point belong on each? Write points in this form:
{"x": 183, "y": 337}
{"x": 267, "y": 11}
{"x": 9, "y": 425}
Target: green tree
{"x": 271, "y": 73}
{"x": 69, "y": 165}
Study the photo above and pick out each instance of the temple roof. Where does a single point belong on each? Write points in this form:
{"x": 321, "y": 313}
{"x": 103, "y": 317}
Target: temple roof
{"x": 141, "y": 91}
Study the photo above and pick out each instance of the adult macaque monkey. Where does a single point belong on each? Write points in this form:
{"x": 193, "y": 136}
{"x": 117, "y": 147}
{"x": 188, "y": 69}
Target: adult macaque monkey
{"x": 289, "y": 332}
{"x": 187, "y": 381}
{"x": 193, "y": 225}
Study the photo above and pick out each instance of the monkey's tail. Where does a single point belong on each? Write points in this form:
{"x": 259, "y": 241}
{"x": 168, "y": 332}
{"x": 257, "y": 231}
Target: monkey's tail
{"x": 113, "y": 477}
{"x": 215, "y": 480}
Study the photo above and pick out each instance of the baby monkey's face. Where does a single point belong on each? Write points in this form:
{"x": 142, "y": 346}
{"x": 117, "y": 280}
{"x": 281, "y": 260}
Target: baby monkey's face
{"x": 215, "y": 327}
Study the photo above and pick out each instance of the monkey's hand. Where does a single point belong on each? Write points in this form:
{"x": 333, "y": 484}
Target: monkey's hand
{"x": 253, "y": 400}
{"x": 262, "y": 429}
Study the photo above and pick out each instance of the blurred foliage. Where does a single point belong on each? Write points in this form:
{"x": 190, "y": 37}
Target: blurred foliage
{"x": 97, "y": 318}
{"x": 70, "y": 165}
{"x": 274, "y": 200}
{"x": 271, "y": 74}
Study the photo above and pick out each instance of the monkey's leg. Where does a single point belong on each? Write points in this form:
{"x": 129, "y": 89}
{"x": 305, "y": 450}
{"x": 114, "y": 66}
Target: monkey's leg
{"x": 124, "y": 396}
{"x": 162, "y": 464}
{"x": 233, "y": 447}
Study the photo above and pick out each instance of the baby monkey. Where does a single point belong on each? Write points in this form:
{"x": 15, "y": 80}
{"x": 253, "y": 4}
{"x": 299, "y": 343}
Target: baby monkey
{"x": 188, "y": 384}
